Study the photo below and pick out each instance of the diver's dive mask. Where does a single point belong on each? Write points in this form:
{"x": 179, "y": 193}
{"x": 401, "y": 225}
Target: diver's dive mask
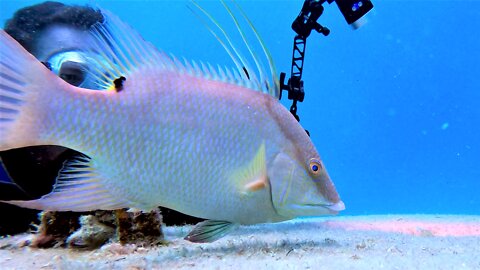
{"x": 75, "y": 68}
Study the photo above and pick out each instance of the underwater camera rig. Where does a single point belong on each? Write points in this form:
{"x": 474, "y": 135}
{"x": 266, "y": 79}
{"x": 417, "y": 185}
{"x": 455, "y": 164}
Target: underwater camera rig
{"x": 303, "y": 25}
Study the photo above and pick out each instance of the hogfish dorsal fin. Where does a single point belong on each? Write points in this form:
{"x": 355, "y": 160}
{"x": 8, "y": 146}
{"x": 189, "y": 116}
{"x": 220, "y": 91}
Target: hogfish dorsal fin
{"x": 119, "y": 50}
{"x": 261, "y": 81}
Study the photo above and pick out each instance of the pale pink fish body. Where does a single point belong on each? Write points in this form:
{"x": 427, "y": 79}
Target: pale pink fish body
{"x": 194, "y": 140}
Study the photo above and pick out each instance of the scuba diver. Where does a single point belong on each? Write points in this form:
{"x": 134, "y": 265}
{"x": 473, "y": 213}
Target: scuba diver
{"x": 45, "y": 30}
{"x": 55, "y": 34}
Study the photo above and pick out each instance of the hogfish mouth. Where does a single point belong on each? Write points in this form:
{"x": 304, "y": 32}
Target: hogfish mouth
{"x": 331, "y": 209}
{"x": 336, "y": 207}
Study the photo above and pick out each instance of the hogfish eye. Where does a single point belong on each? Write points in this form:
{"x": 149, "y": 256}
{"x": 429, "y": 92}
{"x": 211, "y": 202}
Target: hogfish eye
{"x": 315, "y": 166}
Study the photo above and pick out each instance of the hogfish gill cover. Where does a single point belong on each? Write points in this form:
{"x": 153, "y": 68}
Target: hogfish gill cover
{"x": 209, "y": 142}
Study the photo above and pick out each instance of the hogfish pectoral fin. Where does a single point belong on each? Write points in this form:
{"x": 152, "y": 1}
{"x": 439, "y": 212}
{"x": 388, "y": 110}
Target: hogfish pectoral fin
{"x": 77, "y": 188}
{"x": 209, "y": 231}
{"x": 253, "y": 176}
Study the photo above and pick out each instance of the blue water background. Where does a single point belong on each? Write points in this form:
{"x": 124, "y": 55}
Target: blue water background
{"x": 393, "y": 108}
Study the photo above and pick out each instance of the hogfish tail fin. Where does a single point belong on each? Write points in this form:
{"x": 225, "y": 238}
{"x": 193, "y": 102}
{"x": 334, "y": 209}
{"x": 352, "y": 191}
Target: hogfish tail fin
{"x": 26, "y": 86}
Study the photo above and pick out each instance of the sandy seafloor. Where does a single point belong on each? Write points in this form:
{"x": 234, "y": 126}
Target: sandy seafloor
{"x": 348, "y": 242}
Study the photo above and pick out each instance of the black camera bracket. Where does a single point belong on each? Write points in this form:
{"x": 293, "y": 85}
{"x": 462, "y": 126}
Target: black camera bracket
{"x": 303, "y": 26}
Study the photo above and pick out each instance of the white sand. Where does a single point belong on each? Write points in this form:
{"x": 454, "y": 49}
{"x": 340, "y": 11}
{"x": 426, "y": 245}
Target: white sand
{"x": 365, "y": 242}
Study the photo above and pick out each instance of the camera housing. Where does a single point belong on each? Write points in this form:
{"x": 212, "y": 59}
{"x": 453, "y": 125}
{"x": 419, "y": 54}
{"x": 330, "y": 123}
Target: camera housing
{"x": 353, "y": 10}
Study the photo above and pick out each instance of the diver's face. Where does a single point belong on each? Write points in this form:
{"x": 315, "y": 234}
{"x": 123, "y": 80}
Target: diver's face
{"x": 58, "y": 45}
